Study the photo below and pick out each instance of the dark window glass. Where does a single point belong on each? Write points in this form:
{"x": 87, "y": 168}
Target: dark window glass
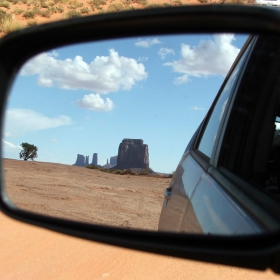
{"x": 210, "y": 133}
{"x": 251, "y": 145}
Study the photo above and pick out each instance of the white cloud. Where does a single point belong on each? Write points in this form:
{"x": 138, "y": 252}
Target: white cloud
{"x": 96, "y": 103}
{"x": 196, "y": 108}
{"x": 54, "y": 140}
{"x": 147, "y": 43}
{"x": 7, "y": 134}
{"x": 102, "y": 75}
{"x": 163, "y": 52}
{"x": 11, "y": 145}
{"x": 20, "y": 121}
{"x": 210, "y": 57}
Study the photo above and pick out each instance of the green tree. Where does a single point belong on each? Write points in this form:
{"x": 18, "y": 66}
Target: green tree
{"x": 28, "y": 151}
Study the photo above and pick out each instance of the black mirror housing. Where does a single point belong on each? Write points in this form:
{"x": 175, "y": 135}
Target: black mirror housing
{"x": 257, "y": 252}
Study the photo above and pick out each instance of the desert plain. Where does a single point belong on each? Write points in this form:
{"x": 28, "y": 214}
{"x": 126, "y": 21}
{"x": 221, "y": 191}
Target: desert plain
{"x": 85, "y": 195}
{"x": 29, "y": 252}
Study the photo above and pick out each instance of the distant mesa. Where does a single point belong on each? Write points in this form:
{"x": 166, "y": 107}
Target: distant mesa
{"x": 108, "y": 165}
{"x": 84, "y": 161}
{"x": 113, "y": 160}
{"x": 81, "y": 160}
{"x": 94, "y": 159}
{"x": 132, "y": 153}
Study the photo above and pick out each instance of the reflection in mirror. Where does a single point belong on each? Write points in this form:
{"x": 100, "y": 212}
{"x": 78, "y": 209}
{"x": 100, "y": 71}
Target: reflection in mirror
{"x": 111, "y": 121}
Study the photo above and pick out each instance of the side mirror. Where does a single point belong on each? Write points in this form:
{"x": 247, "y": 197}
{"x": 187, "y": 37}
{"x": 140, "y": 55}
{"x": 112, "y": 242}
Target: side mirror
{"x": 91, "y": 56}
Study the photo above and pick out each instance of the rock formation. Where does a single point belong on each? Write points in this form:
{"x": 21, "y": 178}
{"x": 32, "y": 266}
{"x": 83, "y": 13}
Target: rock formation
{"x": 81, "y": 160}
{"x": 113, "y": 160}
{"x": 94, "y": 159}
{"x": 107, "y": 165}
{"x": 132, "y": 153}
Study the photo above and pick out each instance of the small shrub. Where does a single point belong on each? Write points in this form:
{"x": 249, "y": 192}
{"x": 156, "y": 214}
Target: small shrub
{"x": 23, "y": 1}
{"x": 59, "y": 9}
{"x": 97, "y": 3}
{"x": 44, "y": 6}
{"x": 46, "y": 13}
{"x": 203, "y": 1}
{"x": 74, "y": 5}
{"x": 73, "y": 14}
{"x": 3, "y": 14}
{"x": 104, "y": 170}
{"x": 17, "y": 11}
{"x": 85, "y": 10}
{"x": 4, "y": 4}
{"x": 127, "y": 2}
{"x": 115, "y": 7}
{"x": 144, "y": 172}
{"x": 140, "y": 2}
{"x": 29, "y": 14}
{"x": 125, "y": 171}
{"x": 92, "y": 166}
{"x": 8, "y": 24}
{"x": 32, "y": 23}
{"x": 176, "y": 2}
{"x": 167, "y": 5}
{"x": 153, "y": 6}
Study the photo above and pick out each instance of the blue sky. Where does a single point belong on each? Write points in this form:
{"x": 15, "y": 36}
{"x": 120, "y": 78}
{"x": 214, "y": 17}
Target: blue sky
{"x": 87, "y": 98}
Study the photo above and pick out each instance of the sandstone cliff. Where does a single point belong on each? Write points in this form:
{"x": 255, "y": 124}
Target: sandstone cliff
{"x": 132, "y": 153}
{"x": 113, "y": 160}
{"x": 94, "y": 159}
{"x": 81, "y": 160}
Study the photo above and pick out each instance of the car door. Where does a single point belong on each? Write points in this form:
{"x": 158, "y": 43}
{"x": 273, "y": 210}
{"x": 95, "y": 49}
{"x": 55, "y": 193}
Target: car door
{"x": 212, "y": 191}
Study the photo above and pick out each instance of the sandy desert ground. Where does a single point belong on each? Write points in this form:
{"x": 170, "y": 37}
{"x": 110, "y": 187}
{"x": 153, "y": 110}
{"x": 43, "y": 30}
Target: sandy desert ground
{"x": 34, "y": 12}
{"x": 28, "y": 252}
{"x": 86, "y": 195}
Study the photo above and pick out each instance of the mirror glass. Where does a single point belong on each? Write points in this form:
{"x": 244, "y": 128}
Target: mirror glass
{"x": 106, "y": 124}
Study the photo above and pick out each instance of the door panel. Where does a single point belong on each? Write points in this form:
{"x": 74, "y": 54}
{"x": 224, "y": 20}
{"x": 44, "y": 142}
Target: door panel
{"x": 183, "y": 183}
{"x": 217, "y": 212}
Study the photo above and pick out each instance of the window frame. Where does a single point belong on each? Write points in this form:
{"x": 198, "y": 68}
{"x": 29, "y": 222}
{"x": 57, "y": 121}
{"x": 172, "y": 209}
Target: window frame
{"x": 213, "y": 159}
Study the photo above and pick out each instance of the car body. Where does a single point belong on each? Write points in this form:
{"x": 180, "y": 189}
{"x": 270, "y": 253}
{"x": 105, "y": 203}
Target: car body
{"x": 227, "y": 182}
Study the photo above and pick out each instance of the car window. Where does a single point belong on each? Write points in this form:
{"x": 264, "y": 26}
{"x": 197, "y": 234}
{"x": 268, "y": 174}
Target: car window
{"x": 251, "y": 146}
{"x": 209, "y": 136}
